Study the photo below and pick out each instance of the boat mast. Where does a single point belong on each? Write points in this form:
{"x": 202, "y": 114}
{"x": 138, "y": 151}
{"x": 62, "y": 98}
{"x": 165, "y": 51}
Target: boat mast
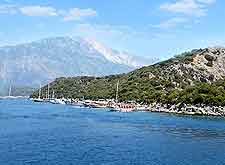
{"x": 53, "y": 94}
{"x": 10, "y": 90}
{"x": 117, "y": 91}
{"x": 48, "y": 91}
{"x": 39, "y": 96}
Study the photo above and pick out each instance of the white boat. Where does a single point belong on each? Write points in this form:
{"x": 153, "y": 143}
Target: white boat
{"x": 39, "y": 99}
{"x": 59, "y": 101}
{"x": 9, "y": 94}
{"x": 78, "y": 104}
{"x": 142, "y": 108}
{"x": 96, "y": 104}
{"x": 122, "y": 107}
{"x": 54, "y": 100}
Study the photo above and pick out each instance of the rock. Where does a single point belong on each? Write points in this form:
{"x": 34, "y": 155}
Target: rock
{"x": 209, "y": 64}
{"x": 189, "y": 109}
{"x": 209, "y": 57}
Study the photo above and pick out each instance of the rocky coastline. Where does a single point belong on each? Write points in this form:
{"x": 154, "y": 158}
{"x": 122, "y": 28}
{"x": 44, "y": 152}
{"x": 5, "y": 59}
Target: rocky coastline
{"x": 185, "y": 109}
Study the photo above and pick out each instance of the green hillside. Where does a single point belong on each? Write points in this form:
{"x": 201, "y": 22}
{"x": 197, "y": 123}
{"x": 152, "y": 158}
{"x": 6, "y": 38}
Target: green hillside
{"x": 177, "y": 80}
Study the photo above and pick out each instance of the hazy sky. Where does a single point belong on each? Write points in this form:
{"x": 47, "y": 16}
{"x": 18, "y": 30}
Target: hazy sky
{"x": 157, "y": 28}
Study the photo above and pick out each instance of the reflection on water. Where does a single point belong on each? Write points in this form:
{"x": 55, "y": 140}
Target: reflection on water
{"x": 196, "y": 133}
{"x": 53, "y": 134}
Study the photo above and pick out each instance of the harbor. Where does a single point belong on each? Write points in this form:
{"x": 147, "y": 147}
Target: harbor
{"x": 111, "y": 104}
{"x": 114, "y": 105}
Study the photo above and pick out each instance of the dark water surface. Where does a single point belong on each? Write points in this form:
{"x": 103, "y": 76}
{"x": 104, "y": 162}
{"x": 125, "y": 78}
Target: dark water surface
{"x": 55, "y": 134}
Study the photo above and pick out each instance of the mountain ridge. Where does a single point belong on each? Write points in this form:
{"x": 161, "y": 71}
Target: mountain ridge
{"x": 39, "y": 62}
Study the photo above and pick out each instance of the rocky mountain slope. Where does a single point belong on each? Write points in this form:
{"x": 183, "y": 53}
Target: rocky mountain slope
{"x": 195, "y": 77}
{"x": 205, "y": 65}
{"x": 39, "y": 62}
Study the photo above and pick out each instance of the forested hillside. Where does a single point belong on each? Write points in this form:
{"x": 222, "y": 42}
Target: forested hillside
{"x": 192, "y": 77}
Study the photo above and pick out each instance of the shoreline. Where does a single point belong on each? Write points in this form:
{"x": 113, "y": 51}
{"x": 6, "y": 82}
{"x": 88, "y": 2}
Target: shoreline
{"x": 181, "y": 108}
{"x": 200, "y": 110}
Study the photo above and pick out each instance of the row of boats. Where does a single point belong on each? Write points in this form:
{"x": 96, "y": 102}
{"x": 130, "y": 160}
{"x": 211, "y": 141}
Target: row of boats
{"x": 112, "y": 104}
{"x": 109, "y": 104}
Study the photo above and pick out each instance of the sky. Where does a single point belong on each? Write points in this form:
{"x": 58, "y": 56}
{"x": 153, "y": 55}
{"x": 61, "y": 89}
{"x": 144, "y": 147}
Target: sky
{"x": 151, "y": 28}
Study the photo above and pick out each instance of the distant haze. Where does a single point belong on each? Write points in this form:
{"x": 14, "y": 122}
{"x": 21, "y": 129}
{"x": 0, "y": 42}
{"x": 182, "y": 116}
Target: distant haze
{"x": 31, "y": 64}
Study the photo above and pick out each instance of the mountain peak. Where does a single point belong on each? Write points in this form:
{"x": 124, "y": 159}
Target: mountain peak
{"x": 120, "y": 57}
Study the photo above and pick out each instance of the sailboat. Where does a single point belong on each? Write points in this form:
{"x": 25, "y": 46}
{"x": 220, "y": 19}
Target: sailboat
{"x": 122, "y": 107}
{"x": 48, "y": 94}
{"x": 39, "y": 99}
{"x": 60, "y": 101}
{"x": 117, "y": 91}
{"x": 10, "y": 94}
{"x": 115, "y": 106}
{"x": 54, "y": 100}
{"x": 10, "y": 91}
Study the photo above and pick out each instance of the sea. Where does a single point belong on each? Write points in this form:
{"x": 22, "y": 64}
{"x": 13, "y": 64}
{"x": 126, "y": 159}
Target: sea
{"x": 47, "y": 134}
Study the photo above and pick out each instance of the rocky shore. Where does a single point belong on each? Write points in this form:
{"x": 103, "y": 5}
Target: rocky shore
{"x": 185, "y": 109}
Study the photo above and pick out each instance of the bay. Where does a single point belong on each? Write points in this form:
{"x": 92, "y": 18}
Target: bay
{"x": 34, "y": 133}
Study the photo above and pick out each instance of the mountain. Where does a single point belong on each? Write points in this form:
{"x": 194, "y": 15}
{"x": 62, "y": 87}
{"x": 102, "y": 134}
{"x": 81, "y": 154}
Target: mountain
{"x": 123, "y": 58}
{"x": 39, "y": 62}
{"x": 195, "y": 77}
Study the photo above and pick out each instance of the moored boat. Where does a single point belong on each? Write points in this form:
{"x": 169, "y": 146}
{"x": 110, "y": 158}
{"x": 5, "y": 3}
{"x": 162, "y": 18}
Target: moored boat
{"x": 124, "y": 107}
{"x": 38, "y": 100}
{"x": 96, "y": 104}
{"x": 77, "y": 104}
{"x": 142, "y": 108}
{"x": 58, "y": 101}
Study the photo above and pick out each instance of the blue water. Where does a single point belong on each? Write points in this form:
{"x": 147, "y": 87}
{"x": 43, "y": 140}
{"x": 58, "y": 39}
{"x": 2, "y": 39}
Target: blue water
{"x": 56, "y": 134}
